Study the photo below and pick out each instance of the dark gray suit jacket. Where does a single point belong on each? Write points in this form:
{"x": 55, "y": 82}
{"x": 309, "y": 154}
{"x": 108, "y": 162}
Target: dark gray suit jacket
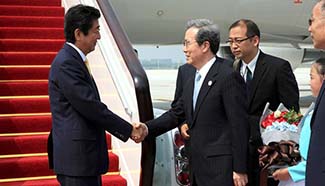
{"x": 77, "y": 143}
{"x": 218, "y": 126}
{"x": 315, "y": 170}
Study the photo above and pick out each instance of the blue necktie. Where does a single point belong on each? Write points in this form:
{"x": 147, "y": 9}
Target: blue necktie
{"x": 196, "y": 88}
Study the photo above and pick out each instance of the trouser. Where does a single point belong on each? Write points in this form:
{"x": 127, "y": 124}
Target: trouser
{"x": 79, "y": 180}
{"x": 254, "y": 168}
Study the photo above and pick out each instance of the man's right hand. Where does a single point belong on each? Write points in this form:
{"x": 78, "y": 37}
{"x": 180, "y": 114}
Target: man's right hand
{"x": 139, "y": 132}
{"x": 184, "y": 129}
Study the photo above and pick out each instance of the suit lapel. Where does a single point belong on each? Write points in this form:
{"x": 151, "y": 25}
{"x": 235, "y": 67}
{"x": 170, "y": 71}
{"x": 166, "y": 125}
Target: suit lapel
{"x": 78, "y": 58}
{"x": 191, "y": 88}
{"x": 206, "y": 86}
{"x": 258, "y": 73}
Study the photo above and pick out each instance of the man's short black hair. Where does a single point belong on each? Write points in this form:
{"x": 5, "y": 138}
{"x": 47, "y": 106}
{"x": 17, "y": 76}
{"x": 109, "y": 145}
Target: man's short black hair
{"x": 79, "y": 16}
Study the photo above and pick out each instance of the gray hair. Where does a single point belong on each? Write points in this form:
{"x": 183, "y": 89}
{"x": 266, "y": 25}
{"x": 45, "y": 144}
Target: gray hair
{"x": 208, "y": 31}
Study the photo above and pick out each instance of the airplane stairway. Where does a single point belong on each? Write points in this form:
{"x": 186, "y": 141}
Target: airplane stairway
{"x": 31, "y": 33}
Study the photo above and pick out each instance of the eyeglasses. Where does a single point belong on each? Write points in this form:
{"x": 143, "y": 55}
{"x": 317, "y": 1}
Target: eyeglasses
{"x": 238, "y": 41}
{"x": 188, "y": 43}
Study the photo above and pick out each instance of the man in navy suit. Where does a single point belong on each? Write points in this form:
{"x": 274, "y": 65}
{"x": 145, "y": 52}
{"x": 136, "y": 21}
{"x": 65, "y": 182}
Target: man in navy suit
{"x": 268, "y": 79}
{"x": 77, "y": 143}
{"x": 315, "y": 170}
{"x": 213, "y": 103}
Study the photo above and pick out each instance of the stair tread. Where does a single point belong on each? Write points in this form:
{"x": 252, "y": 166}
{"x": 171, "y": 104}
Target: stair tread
{"x": 38, "y": 166}
{"x": 107, "y": 180}
{"x": 21, "y": 88}
{"x": 32, "y": 2}
{"x": 21, "y": 10}
{"x": 29, "y": 144}
{"x": 24, "y": 105}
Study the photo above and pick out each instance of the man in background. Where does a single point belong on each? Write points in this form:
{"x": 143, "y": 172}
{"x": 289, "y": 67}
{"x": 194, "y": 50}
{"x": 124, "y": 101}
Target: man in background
{"x": 268, "y": 79}
{"x": 77, "y": 143}
{"x": 315, "y": 170}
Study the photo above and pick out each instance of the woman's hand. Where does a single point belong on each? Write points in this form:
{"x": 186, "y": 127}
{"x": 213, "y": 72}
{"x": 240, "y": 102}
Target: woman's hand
{"x": 281, "y": 174}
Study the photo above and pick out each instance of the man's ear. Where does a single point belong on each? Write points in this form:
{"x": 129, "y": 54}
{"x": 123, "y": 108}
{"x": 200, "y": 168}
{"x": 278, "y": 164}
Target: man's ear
{"x": 77, "y": 34}
{"x": 205, "y": 46}
{"x": 256, "y": 40}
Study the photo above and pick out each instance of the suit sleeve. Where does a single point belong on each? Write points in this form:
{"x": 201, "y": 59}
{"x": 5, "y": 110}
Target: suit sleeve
{"x": 81, "y": 95}
{"x": 287, "y": 87}
{"x": 235, "y": 102}
{"x": 167, "y": 121}
{"x": 179, "y": 88}
{"x": 298, "y": 171}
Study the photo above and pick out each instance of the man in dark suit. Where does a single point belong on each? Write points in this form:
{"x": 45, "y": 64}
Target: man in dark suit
{"x": 315, "y": 170}
{"x": 185, "y": 72}
{"x": 77, "y": 142}
{"x": 268, "y": 78}
{"x": 213, "y": 104}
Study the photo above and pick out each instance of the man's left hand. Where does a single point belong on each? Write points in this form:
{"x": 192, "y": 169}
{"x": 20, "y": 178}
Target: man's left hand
{"x": 240, "y": 179}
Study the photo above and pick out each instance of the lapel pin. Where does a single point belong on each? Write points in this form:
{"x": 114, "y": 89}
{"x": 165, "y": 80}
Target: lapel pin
{"x": 209, "y": 83}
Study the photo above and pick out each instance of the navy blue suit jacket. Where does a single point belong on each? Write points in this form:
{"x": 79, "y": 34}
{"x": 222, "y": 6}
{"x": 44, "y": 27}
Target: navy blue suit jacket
{"x": 315, "y": 170}
{"x": 77, "y": 143}
{"x": 218, "y": 127}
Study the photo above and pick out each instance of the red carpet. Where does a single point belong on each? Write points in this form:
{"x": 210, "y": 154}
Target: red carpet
{"x": 23, "y": 88}
{"x": 26, "y": 58}
{"x": 31, "y": 33}
{"x": 25, "y": 124}
{"x": 25, "y": 32}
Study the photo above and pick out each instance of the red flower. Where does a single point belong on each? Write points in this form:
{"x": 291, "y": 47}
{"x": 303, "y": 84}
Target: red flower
{"x": 290, "y": 117}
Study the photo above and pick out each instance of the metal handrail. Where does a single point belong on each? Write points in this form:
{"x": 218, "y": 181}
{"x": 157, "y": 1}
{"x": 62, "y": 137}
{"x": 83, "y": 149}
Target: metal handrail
{"x": 141, "y": 85}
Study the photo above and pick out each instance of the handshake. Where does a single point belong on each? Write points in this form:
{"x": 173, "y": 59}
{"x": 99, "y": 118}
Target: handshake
{"x": 139, "y": 132}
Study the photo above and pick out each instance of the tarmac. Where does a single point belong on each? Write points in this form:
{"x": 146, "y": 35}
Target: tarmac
{"x": 162, "y": 86}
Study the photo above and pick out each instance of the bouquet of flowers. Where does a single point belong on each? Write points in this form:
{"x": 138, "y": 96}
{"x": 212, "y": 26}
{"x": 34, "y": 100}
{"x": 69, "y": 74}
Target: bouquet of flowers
{"x": 280, "y": 134}
{"x": 282, "y": 124}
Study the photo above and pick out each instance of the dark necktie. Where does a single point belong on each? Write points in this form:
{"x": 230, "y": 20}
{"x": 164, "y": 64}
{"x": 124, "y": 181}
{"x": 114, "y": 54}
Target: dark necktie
{"x": 249, "y": 78}
{"x": 249, "y": 75}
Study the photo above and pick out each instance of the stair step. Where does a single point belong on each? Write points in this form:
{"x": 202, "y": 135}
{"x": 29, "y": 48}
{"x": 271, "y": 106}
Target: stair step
{"x": 24, "y": 73}
{"x": 28, "y": 144}
{"x": 31, "y": 33}
{"x": 23, "y": 88}
{"x": 107, "y": 180}
{"x": 31, "y": 2}
{"x": 24, "y": 124}
{"x": 26, "y": 58}
{"x": 38, "y": 166}
{"x": 24, "y": 105}
{"x": 32, "y": 45}
{"x": 31, "y": 21}
{"x": 45, "y": 11}
{"x": 23, "y": 144}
